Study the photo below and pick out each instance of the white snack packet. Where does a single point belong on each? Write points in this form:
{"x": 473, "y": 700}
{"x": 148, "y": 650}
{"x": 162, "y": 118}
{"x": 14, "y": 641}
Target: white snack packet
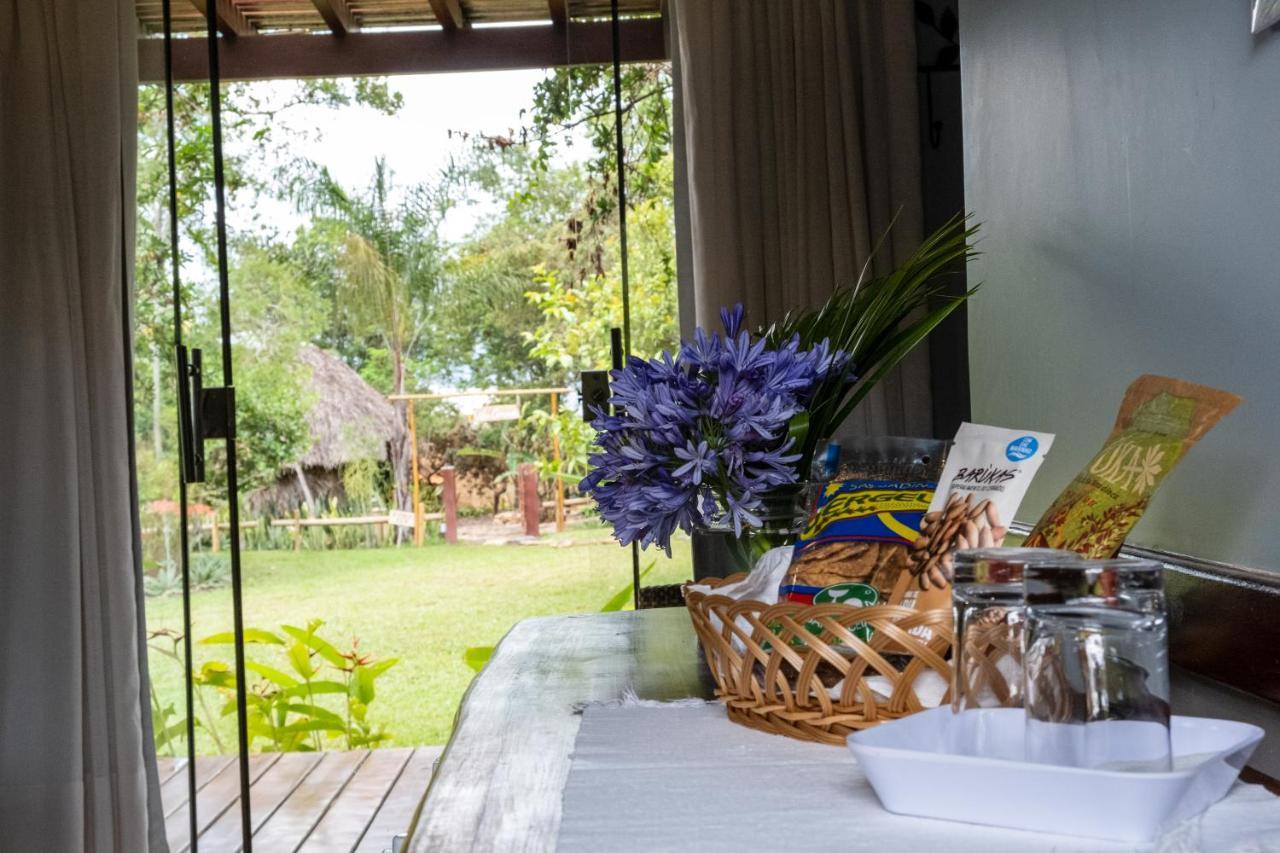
{"x": 981, "y": 487}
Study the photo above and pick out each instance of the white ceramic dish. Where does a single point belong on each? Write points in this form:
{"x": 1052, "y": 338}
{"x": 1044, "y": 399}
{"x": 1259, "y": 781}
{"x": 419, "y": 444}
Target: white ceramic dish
{"x": 909, "y": 765}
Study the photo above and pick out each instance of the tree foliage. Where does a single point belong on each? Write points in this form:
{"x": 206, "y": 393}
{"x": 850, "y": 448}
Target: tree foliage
{"x": 389, "y": 257}
{"x": 484, "y": 317}
{"x": 582, "y": 96}
{"x": 548, "y": 268}
{"x": 563, "y": 218}
{"x": 257, "y": 136}
{"x": 527, "y": 298}
{"x": 389, "y": 269}
{"x": 573, "y": 333}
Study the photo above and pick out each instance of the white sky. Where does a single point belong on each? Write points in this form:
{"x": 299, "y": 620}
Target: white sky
{"x": 415, "y": 142}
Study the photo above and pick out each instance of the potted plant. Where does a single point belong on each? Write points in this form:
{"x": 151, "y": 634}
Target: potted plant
{"x": 719, "y": 439}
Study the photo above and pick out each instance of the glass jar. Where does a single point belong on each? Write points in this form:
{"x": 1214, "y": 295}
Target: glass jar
{"x": 1097, "y": 665}
{"x": 719, "y": 550}
{"x": 989, "y": 616}
{"x": 989, "y": 612}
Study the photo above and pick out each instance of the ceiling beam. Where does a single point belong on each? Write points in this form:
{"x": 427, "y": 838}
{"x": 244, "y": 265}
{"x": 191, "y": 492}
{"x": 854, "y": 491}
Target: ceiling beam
{"x": 449, "y": 14}
{"x": 337, "y": 14}
{"x": 559, "y": 12}
{"x": 231, "y": 21}
{"x": 274, "y": 57}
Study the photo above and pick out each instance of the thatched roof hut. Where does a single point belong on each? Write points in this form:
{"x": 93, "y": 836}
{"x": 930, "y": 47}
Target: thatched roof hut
{"x": 349, "y": 421}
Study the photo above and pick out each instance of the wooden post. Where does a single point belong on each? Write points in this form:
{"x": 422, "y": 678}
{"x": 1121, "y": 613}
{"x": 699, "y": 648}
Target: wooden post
{"x": 297, "y": 531}
{"x": 555, "y": 455}
{"x": 449, "y": 496}
{"x": 215, "y": 539}
{"x": 419, "y": 532}
{"x": 530, "y": 503}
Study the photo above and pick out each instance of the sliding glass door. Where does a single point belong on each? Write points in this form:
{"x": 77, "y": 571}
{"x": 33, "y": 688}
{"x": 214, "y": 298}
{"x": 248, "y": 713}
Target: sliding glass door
{"x": 364, "y": 372}
{"x": 188, "y": 467}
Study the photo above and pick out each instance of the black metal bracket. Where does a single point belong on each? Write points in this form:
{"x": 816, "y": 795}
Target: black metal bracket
{"x": 203, "y": 413}
{"x": 595, "y": 383}
{"x": 595, "y": 393}
{"x": 216, "y": 407}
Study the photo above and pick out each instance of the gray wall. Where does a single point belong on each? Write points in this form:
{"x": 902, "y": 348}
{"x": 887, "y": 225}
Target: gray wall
{"x": 1124, "y": 159}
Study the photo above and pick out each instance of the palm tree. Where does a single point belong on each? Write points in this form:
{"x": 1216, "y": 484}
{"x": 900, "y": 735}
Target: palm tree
{"x": 390, "y": 264}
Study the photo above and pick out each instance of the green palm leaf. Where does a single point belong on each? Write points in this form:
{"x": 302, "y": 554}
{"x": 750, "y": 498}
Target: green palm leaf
{"x": 878, "y": 321}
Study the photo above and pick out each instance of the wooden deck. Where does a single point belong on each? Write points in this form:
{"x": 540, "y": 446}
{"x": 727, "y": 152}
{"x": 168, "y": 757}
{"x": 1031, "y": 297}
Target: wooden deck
{"x": 353, "y": 802}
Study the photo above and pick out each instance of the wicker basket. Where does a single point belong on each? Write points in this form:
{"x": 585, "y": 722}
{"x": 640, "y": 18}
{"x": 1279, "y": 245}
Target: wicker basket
{"x": 777, "y": 671}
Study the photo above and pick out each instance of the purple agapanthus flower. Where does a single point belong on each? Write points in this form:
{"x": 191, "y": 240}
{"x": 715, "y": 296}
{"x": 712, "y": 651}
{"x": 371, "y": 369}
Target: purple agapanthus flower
{"x": 703, "y": 435}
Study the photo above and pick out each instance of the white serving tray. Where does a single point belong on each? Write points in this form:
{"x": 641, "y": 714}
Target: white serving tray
{"x": 913, "y": 771}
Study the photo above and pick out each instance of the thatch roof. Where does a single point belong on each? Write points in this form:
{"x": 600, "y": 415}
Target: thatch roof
{"x": 349, "y": 419}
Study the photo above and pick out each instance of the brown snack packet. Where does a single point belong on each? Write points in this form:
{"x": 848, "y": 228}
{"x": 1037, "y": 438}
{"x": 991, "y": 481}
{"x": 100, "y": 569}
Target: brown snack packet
{"x": 1159, "y": 420}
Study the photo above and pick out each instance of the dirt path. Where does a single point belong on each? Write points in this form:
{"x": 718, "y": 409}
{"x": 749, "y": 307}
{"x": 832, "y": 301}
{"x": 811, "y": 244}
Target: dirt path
{"x": 508, "y": 529}
{"x": 488, "y": 530}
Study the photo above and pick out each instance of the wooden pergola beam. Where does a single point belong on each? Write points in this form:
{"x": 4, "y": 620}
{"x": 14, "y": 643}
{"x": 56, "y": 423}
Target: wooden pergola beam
{"x": 274, "y": 57}
{"x": 449, "y": 14}
{"x": 559, "y": 10}
{"x": 337, "y": 14}
{"x": 230, "y": 20}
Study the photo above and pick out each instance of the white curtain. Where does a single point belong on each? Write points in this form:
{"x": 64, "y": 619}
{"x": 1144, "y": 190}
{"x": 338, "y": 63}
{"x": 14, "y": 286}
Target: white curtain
{"x": 77, "y": 765}
{"x": 797, "y": 143}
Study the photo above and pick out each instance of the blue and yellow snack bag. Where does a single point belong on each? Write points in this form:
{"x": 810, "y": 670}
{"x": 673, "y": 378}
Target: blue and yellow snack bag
{"x": 855, "y": 547}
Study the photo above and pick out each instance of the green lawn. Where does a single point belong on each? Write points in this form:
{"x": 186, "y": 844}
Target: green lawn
{"x": 423, "y": 605}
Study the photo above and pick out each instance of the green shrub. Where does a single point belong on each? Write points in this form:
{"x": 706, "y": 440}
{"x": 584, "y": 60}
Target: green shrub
{"x": 209, "y": 570}
{"x": 286, "y": 709}
{"x": 315, "y": 696}
{"x": 166, "y": 580}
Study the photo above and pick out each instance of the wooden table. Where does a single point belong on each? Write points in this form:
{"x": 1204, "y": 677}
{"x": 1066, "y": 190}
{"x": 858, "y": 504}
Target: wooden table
{"x": 498, "y": 785}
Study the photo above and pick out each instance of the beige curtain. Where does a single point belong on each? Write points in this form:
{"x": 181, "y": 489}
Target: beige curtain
{"x": 77, "y": 766}
{"x": 800, "y": 144}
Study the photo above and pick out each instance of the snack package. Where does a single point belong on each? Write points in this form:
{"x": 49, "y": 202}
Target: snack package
{"x": 1160, "y": 419}
{"x": 855, "y": 546}
{"x": 987, "y": 474}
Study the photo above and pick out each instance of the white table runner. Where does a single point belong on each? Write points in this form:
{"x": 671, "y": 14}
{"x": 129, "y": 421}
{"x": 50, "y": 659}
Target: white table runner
{"x": 680, "y": 776}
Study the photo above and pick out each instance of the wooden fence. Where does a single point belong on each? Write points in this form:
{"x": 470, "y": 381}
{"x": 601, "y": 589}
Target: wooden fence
{"x": 530, "y": 504}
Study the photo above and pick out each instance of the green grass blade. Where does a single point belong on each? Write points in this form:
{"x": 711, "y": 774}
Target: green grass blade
{"x": 622, "y": 597}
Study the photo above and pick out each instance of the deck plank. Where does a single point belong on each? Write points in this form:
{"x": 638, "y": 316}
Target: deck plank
{"x": 341, "y": 827}
{"x": 319, "y": 802}
{"x": 289, "y": 827}
{"x": 266, "y": 795}
{"x": 173, "y": 782}
{"x": 173, "y": 793}
{"x": 214, "y": 798}
{"x": 167, "y": 766}
{"x": 397, "y": 808}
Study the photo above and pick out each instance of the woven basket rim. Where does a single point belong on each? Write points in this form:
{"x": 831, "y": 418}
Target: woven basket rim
{"x": 777, "y": 687}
